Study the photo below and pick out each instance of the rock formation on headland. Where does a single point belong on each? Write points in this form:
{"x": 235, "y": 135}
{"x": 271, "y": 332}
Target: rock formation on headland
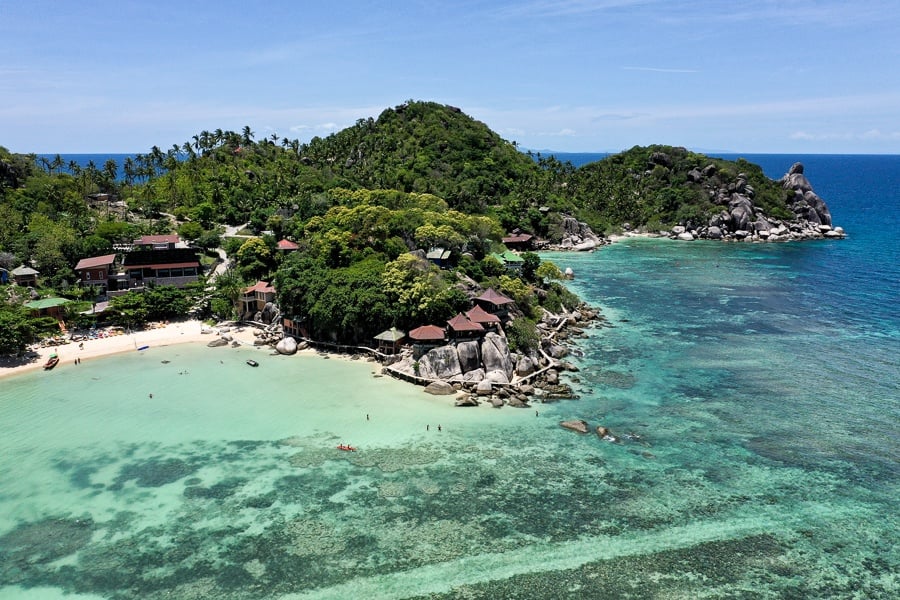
{"x": 487, "y": 369}
{"x": 741, "y": 220}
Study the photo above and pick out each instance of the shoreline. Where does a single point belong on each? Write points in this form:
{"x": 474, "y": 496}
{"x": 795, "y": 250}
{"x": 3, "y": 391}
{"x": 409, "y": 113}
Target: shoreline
{"x": 175, "y": 333}
{"x": 181, "y": 332}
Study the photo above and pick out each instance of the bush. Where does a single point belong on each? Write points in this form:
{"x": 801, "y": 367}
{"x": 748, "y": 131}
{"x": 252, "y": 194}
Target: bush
{"x": 523, "y": 335}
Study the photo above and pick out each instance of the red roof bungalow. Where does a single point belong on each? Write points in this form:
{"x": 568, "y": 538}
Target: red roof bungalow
{"x": 463, "y": 327}
{"x": 482, "y": 317}
{"x": 427, "y": 334}
{"x": 519, "y": 241}
{"x": 256, "y": 296}
{"x": 494, "y": 302}
{"x": 96, "y": 270}
{"x": 287, "y": 246}
{"x": 425, "y": 338}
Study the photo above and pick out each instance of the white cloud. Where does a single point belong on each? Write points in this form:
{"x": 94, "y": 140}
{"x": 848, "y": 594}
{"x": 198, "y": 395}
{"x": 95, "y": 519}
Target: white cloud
{"x": 869, "y": 135}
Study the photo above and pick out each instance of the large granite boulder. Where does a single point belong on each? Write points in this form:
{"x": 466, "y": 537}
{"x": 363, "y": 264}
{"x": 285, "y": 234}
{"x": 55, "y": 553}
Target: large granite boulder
{"x": 484, "y": 388}
{"x": 287, "y": 346}
{"x": 440, "y": 363}
{"x": 496, "y": 377}
{"x": 806, "y": 204}
{"x": 495, "y": 355}
{"x": 741, "y": 212}
{"x": 469, "y": 354}
{"x": 440, "y": 388}
{"x": 476, "y": 375}
{"x": 525, "y": 366}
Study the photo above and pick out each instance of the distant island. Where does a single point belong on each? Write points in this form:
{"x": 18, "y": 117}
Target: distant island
{"x": 416, "y": 231}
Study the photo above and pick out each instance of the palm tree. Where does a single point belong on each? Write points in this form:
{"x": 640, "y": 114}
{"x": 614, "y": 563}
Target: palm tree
{"x": 246, "y": 135}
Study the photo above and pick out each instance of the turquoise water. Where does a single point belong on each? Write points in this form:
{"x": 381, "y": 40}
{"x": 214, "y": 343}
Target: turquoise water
{"x": 759, "y": 384}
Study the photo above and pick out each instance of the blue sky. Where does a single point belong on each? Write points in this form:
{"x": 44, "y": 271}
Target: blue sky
{"x": 805, "y": 76}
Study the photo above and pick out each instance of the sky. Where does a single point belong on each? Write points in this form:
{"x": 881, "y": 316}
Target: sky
{"x": 752, "y": 76}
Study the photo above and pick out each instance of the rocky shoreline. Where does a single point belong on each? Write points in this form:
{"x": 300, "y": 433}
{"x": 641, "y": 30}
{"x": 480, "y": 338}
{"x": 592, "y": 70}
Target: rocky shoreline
{"x": 485, "y": 370}
{"x": 740, "y": 220}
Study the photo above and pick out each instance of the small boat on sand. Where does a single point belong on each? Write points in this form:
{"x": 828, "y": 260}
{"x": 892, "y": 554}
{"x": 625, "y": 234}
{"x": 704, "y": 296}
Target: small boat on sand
{"x": 252, "y": 362}
{"x": 51, "y": 362}
{"x": 346, "y": 448}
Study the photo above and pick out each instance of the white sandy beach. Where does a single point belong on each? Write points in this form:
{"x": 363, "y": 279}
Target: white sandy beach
{"x": 174, "y": 333}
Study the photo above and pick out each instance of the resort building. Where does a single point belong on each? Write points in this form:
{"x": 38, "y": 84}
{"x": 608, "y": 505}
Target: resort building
{"x": 487, "y": 320}
{"x": 519, "y": 241}
{"x": 512, "y": 261}
{"x": 461, "y": 327}
{"x": 495, "y": 303}
{"x": 390, "y": 341}
{"x": 425, "y": 338}
{"x": 293, "y": 327}
{"x": 439, "y": 257}
{"x": 48, "y": 307}
{"x": 158, "y": 242}
{"x": 95, "y": 271}
{"x": 287, "y": 246}
{"x": 177, "y": 268}
{"x": 255, "y": 298}
{"x": 25, "y": 276}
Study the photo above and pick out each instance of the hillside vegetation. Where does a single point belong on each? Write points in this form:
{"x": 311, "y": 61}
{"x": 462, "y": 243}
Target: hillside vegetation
{"x": 421, "y": 175}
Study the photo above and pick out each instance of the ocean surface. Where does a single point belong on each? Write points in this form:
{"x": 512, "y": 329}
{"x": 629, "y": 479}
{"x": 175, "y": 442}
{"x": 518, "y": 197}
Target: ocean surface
{"x": 754, "y": 389}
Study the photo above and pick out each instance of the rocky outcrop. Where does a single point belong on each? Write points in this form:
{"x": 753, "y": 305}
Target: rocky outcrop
{"x": 742, "y": 220}
{"x": 577, "y": 235}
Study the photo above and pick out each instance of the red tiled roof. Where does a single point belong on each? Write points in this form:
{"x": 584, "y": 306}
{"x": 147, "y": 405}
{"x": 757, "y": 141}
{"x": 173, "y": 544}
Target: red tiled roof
{"x": 427, "y": 333}
{"x": 462, "y": 323}
{"x": 287, "y": 245}
{"x": 95, "y": 261}
{"x": 260, "y": 286}
{"x": 494, "y": 297}
{"x": 479, "y": 315}
{"x": 157, "y": 239}
{"x": 163, "y": 266}
{"x": 518, "y": 239}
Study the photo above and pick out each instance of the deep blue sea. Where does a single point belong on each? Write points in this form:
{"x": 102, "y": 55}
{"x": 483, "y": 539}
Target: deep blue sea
{"x": 82, "y": 160}
{"x": 754, "y": 390}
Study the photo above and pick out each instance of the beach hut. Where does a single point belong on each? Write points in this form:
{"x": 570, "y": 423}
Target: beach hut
{"x": 25, "y": 276}
{"x": 439, "y": 257}
{"x": 389, "y": 341}
{"x": 495, "y": 303}
{"x": 487, "y": 320}
{"x": 512, "y": 261}
{"x": 462, "y": 327}
{"x": 47, "y": 307}
{"x": 425, "y": 338}
{"x": 518, "y": 241}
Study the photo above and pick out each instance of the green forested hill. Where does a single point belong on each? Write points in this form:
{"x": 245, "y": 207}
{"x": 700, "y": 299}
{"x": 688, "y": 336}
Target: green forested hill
{"x": 421, "y": 175}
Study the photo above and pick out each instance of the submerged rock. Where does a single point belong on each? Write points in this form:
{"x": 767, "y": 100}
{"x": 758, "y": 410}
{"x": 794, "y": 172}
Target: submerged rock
{"x": 578, "y": 425}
